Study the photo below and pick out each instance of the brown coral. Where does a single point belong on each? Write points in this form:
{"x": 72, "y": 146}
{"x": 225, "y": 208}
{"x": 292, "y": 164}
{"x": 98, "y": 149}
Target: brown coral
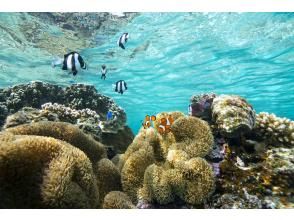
{"x": 42, "y": 172}
{"x": 191, "y": 181}
{"x": 156, "y": 186}
{"x": 108, "y": 177}
{"x": 66, "y": 132}
{"x": 193, "y": 136}
{"x": 132, "y": 173}
{"x": 197, "y": 181}
{"x": 155, "y": 167}
{"x": 117, "y": 200}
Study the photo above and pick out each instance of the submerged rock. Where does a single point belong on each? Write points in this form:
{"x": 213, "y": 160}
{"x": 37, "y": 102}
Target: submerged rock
{"x": 232, "y": 115}
{"x": 233, "y": 201}
{"x": 66, "y": 32}
{"x": 201, "y": 105}
{"x": 77, "y": 104}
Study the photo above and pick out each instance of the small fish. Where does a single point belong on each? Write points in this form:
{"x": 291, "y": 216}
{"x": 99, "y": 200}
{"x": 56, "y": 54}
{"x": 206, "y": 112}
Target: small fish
{"x": 57, "y": 61}
{"x": 122, "y": 40}
{"x": 120, "y": 86}
{"x": 165, "y": 125}
{"x": 147, "y": 122}
{"x": 241, "y": 165}
{"x": 109, "y": 116}
{"x": 140, "y": 48}
{"x": 103, "y": 72}
{"x": 190, "y": 110}
{"x": 72, "y": 62}
{"x": 240, "y": 162}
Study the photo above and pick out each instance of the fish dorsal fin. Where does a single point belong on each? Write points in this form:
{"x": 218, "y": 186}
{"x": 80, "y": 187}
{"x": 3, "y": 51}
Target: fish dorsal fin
{"x": 170, "y": 119}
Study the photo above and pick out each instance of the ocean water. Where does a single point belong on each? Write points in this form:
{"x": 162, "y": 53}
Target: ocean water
{"x": 169, "y": 57}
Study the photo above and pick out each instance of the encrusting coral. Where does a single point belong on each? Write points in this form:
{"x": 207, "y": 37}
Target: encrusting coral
{"x": 108, "y": 177}
{"x": 232, "y": 115}
{"x": 43, "y": 172}
{"x": 275, "y": 130}
{"x": 66, "y": 132}
{"x": 117, "y": 200}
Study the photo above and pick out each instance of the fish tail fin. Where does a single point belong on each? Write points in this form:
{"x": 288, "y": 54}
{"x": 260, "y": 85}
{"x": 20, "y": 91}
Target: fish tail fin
{"x": 57, "y": 61}
{"x": 121, "y": 45}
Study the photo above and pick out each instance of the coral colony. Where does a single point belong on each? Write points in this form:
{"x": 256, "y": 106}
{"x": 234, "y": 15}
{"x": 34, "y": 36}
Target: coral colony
{"x": 58, "y": 149}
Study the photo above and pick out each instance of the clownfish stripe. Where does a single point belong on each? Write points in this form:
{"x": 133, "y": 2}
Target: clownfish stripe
{"x": 162, "y": 127}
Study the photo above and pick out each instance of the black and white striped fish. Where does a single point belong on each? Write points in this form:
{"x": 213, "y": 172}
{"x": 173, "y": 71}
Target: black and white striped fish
{"x": 121, "y": 86}
{"x": 122, "y": 40}
{"x": 72, "y": 62}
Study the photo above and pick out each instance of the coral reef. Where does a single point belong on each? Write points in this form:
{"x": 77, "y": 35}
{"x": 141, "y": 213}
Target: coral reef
{"x": 117, "y": 200}
{"x": 201, "y": 105}
{"x": 77, "y": 104}
{"x": 232, "y": 115}
{"x": 234, "y": 159}
{"x": 268, "y": 179}
{"x": 66, "y": 132}
{"x": 274, "y": 130}
{"x": 42, "y": 172}
{"x": 231, "y": 201}
{"x": 33, "y": 95}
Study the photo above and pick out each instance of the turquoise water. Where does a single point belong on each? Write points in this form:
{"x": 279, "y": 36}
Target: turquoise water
{"x": 170, "y": 57}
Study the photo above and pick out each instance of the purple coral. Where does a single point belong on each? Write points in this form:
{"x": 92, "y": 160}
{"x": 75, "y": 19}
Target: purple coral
{"x": 201, "y": 105}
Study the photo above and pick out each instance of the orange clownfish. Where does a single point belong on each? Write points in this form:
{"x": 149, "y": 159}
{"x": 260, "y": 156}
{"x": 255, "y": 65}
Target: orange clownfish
{"x": 147, "y": 121}
{"x": 165, "y": 124}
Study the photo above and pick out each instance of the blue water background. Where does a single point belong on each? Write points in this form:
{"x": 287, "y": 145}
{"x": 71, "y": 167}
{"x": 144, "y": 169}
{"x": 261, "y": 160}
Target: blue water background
{"x": 171, "y": 56}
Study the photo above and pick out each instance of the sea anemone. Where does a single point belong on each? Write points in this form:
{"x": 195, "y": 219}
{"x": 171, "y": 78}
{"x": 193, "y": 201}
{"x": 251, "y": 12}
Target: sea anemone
{"x": 193, "y": 136}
